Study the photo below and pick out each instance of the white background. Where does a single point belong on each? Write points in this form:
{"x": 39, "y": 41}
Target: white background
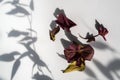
{"x": 105, "y": 64}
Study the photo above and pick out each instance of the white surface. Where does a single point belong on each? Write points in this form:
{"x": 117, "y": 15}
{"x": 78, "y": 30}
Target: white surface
{"x": 83, "y": 13}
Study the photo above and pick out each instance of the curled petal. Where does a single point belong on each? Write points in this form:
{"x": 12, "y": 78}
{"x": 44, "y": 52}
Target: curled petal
{"x": 64, "y": 22}
{"x": 54, "y": 32}
{"x": 80, "y": 61}
{"x": 69, "y": 54}
{"x": 73, "y": 67}
{"x": 101, "y": 30}
{"x": 87, "y": 52}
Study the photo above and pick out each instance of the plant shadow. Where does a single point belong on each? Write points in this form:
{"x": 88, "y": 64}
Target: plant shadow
{"x": 102, "y": 46}
{"x": 104, "y": 70}
{"x": 114, "y": 66}
{"x": 27, "y": 41}
{"x": 20, "y": 8}
{"x": 38, "y": 76}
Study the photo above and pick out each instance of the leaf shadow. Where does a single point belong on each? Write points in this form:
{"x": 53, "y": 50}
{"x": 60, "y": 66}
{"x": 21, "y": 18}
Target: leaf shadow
{"x": 8, "y": 57}
{"x": 90, "y": 73}
{"x": 15, "y": 68}
{"x": 1, "y": 78}
{"x": 32, "y": 5}
{"x": 34, "y": 56}
{"x": 18, "y": 10}
{"x": 16, "y": 33}
{"x": 114, "y": 66}
{"x": 37, "y": 76}
{"x": 27, "y": 41}
{"x": 61, "y": 55}
{"x": 103, "y": 69}
{"x": 53, "y": 24}
{"x": 1, "y": 0}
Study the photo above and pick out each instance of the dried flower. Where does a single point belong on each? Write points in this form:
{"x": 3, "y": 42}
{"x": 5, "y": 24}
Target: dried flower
{"x": 78, "y": 53}
{"x": 89, "y": 37}
{"x": 64, "y": 22}
{"x": 101, "y": 29}
{"x": 54, "y": 32}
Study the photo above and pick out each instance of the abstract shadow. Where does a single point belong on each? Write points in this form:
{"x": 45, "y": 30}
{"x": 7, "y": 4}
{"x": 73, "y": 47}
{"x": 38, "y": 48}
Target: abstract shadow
{"x": 104, "y": 70}
{"x": 90, "y": 73}
{"x": 53, "y": 24}
{"x": 72, "y": 37}
{"x": 65, "y": 43}
{"x": 102, "y": 46}
{"x": 114, "y": 66}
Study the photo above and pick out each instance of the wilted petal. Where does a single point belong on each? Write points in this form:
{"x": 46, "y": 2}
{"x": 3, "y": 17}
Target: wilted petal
{"x": 87, "y": 52}
{"x": 69, "y": 54}
{"x": 101, "y": 29}
{"x": 54, "y": 32}
{"x": 89, "y": 37}
{"x": 73, "y": 67}
{"x": 80, "y": 61}
{"x": 64, "y": 22}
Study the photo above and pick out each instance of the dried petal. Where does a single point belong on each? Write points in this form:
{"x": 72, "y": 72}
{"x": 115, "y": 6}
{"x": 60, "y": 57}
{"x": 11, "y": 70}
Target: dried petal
{"x": 89, "y": 37}
{"x": 77, "y": 52}
{"x": 87, "y": 52}
{"x": 54, "y": 32}
{"x": 73, "y": 67}
{"x": 64, "y": 22}
{"x": 71, "y": 52}
{"x": 101, "y": 29}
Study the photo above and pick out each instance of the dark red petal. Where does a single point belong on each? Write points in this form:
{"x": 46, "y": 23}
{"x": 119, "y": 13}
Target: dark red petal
{"x": 69, "y": 54}
{"x": 88, "y": 52}
{"x": 60, "y": 20}
{"x": 64, "y": 22}
{"x": 71, "y": 23}
{"x": 80, "y": 61}
{"x": 101, "y": 30}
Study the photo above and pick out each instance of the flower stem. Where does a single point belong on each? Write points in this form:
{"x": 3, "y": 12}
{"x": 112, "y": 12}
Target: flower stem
{"x": 86, "y": 37}
{"x": 81, "y": 36}
{"x": 96, "y": 35}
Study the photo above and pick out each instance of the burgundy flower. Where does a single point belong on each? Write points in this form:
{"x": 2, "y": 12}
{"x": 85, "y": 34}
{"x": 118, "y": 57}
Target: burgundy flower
{"x": 54, "y": 32}
{"x": 64, "y": 22}
{"x": 101, "y": 29}
{"x": 78, "y": 53}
